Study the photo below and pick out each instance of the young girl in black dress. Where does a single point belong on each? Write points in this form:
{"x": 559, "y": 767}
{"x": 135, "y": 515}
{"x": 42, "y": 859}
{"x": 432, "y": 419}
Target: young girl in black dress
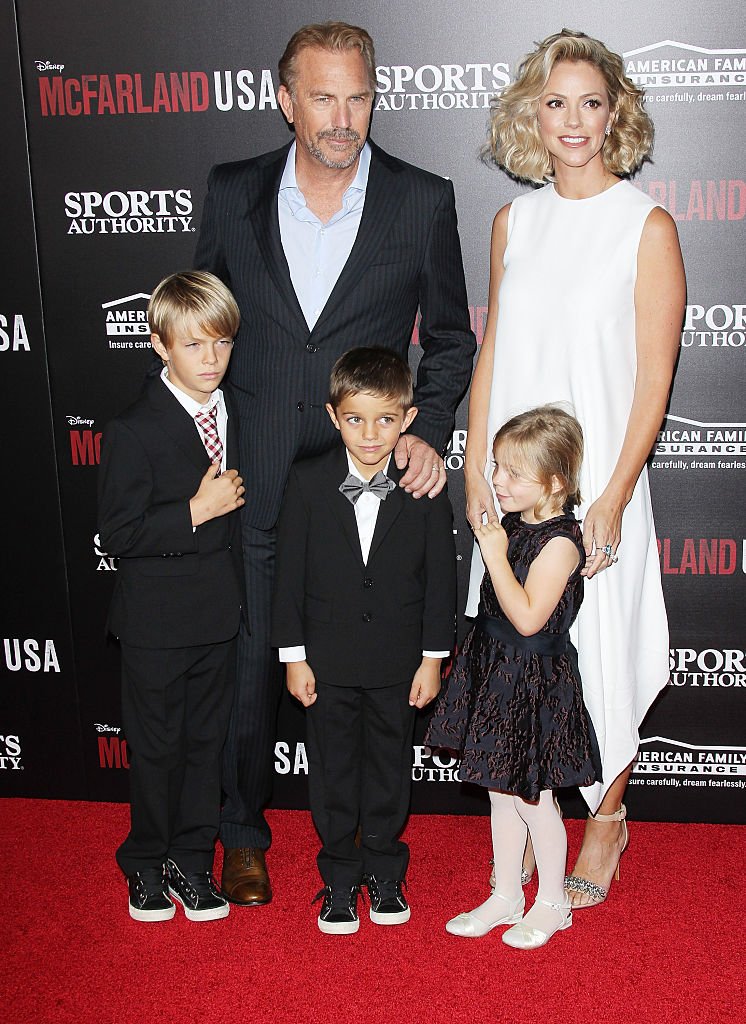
{"x": 514, "y": 707}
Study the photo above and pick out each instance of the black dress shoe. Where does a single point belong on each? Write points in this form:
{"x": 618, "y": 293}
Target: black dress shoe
{"x": 148, "y": 891}
{"x": 338, "y": 914}
{"x": 388, "y": 904}
{"x": 197, "y": 893}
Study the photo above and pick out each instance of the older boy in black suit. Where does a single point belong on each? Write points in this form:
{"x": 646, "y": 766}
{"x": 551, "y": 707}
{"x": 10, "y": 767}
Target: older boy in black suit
{"x": 167, "y": 510}
{"x": 363, "y": 614}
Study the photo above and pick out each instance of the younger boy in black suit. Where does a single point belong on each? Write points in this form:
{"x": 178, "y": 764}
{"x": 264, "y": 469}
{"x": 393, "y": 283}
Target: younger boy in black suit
{"x": 363, "y": 614}
{"x": 167, "y": 510}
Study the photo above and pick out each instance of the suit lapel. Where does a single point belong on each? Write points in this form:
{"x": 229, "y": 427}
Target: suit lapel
{"x": 384, "y": 195}
{"x": 265, "y": 223}
{"x": 336, "y": 470}
{"x": 389, "y": 509}
{"x": 231, "y": 441}
{"x": 178, "y": 424}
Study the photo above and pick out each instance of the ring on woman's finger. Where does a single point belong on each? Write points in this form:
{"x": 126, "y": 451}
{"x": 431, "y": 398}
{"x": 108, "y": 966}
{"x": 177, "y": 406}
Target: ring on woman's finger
{"x": 615, "y": 559}
{"x": 435, "y": 469}
{"x": 607, "y": 550}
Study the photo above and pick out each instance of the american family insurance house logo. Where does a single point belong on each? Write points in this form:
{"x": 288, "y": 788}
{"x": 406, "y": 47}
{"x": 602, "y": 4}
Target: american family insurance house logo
{"x": 685, "y": 444}
{"x": 663, "y": 761}
{"x": 126, "y": 322}
{"x": 672, "y": 72}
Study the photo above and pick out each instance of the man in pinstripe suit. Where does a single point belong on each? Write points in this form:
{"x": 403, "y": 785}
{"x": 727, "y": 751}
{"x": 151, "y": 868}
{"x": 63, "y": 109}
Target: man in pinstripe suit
{"x": 327, "y": 244}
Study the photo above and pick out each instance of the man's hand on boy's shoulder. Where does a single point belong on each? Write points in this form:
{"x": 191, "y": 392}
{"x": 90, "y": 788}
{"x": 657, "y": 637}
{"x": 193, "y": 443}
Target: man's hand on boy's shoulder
{"x": 426, "y": 471}
{"x": 426, "y": 683}
{"x": 301, "y": 682}
{"x": 217, "y": 495}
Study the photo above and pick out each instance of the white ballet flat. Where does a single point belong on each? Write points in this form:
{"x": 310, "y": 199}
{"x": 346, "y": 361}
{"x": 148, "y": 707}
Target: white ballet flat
{"x": 471, "y": 927}
{"x": 522, "y": 936}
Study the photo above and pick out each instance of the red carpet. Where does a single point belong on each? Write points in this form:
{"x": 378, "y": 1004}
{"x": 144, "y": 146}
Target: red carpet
{"x": 666, "y": 946}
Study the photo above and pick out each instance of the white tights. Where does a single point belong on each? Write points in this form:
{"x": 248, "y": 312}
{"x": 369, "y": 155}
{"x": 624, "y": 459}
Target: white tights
{"x": 511, "y": 819}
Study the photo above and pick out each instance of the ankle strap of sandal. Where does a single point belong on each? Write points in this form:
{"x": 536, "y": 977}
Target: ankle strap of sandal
{"x": 619, "y": 815}
{"x": 561, "y": 908}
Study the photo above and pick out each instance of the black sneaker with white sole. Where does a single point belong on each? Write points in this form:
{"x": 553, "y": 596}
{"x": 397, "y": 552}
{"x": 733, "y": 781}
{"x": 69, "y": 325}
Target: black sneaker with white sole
{"x": 148, "y": 891}
{"x": 388, "y": 904}
{"x": 338, "y": 914}
{"x": 197, "y": 893}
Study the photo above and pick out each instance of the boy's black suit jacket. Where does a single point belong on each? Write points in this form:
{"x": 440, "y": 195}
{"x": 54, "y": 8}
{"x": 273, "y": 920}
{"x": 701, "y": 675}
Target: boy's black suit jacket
{"x": 406, "y": 256}
{"x": 175, "y": 586}
{"x": 362, "y": 625}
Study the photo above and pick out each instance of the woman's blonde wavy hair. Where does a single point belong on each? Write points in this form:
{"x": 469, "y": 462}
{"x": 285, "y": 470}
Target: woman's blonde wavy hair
{"x": 514, "y": 140}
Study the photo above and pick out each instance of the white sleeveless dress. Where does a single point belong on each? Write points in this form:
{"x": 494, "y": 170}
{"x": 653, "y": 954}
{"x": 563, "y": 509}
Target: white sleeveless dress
{"x": 566, "y": 333}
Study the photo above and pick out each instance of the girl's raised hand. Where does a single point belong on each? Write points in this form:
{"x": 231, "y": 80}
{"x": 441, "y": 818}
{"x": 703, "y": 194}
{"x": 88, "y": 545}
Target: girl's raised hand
{"x": 493, "y": 541}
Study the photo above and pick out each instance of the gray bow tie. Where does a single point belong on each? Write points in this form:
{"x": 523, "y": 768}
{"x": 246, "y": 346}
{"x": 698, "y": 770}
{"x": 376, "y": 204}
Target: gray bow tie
{"x": 352, "y": 487}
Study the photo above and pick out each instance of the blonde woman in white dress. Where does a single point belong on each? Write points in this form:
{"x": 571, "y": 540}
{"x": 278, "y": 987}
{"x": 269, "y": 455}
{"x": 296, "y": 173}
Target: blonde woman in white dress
{"x": 586, "y": 301}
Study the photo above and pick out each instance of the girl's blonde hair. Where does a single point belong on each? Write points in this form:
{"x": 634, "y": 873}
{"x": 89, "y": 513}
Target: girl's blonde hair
{"x": 547, "y": 444}
{"x": 514, "y": 140}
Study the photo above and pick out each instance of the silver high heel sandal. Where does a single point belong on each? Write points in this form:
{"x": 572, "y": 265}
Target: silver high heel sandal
{"x": 471, "y": 927}
{"x": 598, "y": 893}
{"x": 523, "y": 936}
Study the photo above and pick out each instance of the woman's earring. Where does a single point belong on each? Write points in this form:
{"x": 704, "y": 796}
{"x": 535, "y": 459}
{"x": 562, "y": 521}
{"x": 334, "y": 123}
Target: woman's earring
{"x": 607, "y": 132}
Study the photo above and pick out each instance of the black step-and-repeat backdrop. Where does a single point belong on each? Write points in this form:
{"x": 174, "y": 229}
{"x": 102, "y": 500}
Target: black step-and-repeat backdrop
{"x": 114, "y": 114}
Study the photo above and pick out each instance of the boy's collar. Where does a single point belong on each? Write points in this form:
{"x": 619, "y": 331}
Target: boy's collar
{"x": 186, "y": 401}
{"x": 356, "y": 472}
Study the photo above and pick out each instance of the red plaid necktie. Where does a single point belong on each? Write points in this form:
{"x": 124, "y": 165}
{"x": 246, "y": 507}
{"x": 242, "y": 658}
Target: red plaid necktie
{"x": 210, "y": 436}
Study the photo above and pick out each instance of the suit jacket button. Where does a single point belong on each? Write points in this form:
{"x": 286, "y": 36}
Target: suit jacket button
{"x": 300, "y": 407}
{"x": 367, "y": 617}
{"x": 310, "y": 347}
{"x": 367, "y": 582}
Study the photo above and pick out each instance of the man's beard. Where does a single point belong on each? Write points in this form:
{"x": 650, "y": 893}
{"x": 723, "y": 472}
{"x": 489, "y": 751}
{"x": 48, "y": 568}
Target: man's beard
{"x": 340, "y": 135}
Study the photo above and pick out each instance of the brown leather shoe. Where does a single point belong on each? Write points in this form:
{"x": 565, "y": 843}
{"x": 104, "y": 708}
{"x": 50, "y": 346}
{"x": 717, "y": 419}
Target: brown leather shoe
{"x": 245, "y": 880}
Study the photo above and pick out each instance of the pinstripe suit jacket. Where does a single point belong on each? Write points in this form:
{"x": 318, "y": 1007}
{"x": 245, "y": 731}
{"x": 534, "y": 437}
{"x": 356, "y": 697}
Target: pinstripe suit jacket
{"x": 406, "y": 254}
